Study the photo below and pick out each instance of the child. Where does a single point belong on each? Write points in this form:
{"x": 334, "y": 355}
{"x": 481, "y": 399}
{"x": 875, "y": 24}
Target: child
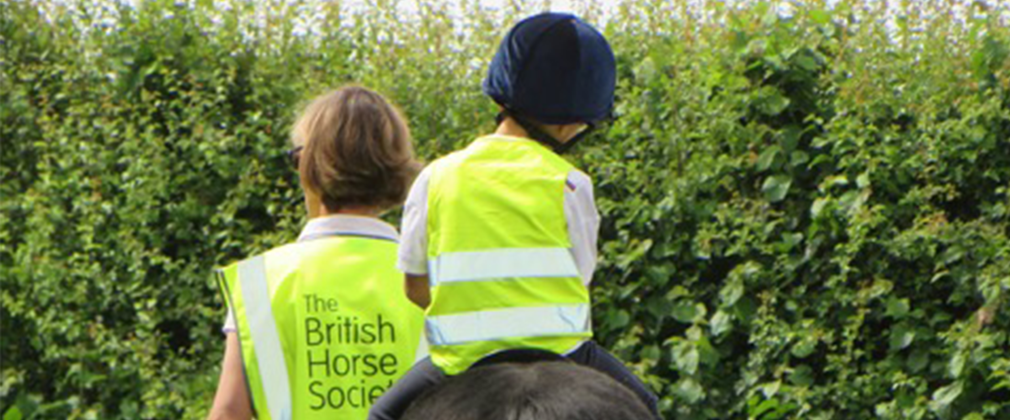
{"x": 319, "y": 328}
{"x": 499, "y": 238}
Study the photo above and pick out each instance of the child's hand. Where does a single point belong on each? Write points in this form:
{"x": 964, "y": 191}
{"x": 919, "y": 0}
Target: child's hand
{"x": 417, "y": 289}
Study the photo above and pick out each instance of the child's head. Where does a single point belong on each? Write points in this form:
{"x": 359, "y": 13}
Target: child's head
{"x": 555, "y": 72}
{"x": 356, "y": 153}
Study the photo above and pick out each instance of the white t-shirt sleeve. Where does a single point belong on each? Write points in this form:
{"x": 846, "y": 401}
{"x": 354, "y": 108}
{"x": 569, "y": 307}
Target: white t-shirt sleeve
{"x": 583, "y": 223}
{"x": 413, "y": 252}
{"x": 229, "y": 322}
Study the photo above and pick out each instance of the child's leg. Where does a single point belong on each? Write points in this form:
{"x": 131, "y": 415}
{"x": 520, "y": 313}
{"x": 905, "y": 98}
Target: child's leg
{"x": 592, "y": 355}
{"x": 391, "y": 405}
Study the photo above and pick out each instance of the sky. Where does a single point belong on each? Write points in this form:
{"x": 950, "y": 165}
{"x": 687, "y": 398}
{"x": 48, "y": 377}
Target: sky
{"x": 606, "y": 7}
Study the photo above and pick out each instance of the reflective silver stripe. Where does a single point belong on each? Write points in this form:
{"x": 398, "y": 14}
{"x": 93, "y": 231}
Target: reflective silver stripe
{"x": 422, "y": 348}
{"x": 273, "y": 372}
{"x": 496, "y": 264}
{"x": 507, "y": 323}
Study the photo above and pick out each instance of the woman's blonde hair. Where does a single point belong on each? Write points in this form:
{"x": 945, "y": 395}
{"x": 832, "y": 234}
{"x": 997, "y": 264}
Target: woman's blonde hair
{"x": 357, "y": 150}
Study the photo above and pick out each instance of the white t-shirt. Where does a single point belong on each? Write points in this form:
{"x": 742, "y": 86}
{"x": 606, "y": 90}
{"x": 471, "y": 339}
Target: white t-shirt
{"x": 339, "y": 224}
{"x": 580, "y": 214}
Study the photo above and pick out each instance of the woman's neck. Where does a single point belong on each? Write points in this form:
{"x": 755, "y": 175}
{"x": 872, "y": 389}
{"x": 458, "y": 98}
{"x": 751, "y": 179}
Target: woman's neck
{"x": 359, "y": 211}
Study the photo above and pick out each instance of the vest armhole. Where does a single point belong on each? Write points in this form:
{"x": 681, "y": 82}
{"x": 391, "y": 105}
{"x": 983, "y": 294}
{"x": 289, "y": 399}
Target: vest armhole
{"x": 226, "y": 291}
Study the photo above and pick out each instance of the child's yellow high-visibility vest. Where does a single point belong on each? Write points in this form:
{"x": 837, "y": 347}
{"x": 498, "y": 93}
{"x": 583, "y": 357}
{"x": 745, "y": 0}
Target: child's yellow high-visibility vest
{"x": 500, "y": 269}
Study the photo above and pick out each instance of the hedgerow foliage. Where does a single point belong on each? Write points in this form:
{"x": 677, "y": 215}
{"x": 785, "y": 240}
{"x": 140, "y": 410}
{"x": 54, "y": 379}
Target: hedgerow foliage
{"x": 806, "y": 209}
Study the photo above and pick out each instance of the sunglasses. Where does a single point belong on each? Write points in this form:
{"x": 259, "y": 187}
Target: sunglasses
{"x": 294, "y": 156}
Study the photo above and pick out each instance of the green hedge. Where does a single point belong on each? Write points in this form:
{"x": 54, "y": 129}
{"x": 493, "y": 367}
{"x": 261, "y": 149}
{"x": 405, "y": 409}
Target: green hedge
{"x": 804, "y": 207}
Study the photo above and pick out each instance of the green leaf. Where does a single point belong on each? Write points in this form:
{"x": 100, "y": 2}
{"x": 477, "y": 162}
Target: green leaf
{"x": 694, "y": 333}
{"x": 731, "y": 292}
{"x": 721, "y": 323}
{"x": 768, "y": 405}
{"x": 739, "y": 41}
{"x": 659, "y": 306}
{"x": 620, "y": 319}
{"x": 13, "y": 413}
{"x": 700, "y": 311}
{"x": 771, "y": 388}
{"x": 790, "y": 136}
{"x": 791, "y": 240}
{"x": 776, "y": 187}
{"x": 689, "y": 390}
{"x": 745, "y": 310}
{"x": 818, "y": 207}
{"x": 636, "y": 253}
{"x": 651, "y": 353}
{"x": 684, "y": 312}
{"x": 646, "y": 70}
{"x": 658, "y": 274}
{"x": 918, "y": 359}
{"x": 709, "y": 355}
{"x": 770, "y": 19}
{"x": 820, "y": 16}
{"x": 771, "y": 102}
{"x": 806, "y": 62}
{"x": 945, "y": 396}
{"x": 686, "y": 357}
{"x": 767, "y": 158}
{"x": 805, "y": 346}
{"x": 834, "y": 181}
{"x": 756, "y": 46}
{"x": 956, "y": 365}
{"x": 953, "y": 254}
{"x": 802, "y": 375}
{"x": 863, "y": 180}
{"x": 901, "y": 337}
{"x": 897, "y": 308}
{"x": 798, "y": 158}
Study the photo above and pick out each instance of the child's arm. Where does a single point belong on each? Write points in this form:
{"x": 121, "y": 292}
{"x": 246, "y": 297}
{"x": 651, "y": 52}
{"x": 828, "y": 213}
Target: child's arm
{"x": 417, "y": 289}
{"x": 413, "y": 255}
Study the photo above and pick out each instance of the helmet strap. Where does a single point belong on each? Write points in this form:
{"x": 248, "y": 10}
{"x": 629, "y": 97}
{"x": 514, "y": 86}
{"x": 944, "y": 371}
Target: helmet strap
{"x": 538, "y": 134}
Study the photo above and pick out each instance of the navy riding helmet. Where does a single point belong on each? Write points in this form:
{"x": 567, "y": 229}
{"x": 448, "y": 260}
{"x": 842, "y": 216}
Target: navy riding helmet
{"x": 553, "y": 68}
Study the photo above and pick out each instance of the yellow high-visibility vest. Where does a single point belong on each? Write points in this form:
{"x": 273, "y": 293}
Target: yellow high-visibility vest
{"x": 500, "y": 269}
{"x": 324, "y": 326}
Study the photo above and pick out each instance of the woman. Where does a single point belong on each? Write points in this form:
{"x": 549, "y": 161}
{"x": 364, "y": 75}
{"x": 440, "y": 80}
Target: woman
{"x": 320, "y": 328}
